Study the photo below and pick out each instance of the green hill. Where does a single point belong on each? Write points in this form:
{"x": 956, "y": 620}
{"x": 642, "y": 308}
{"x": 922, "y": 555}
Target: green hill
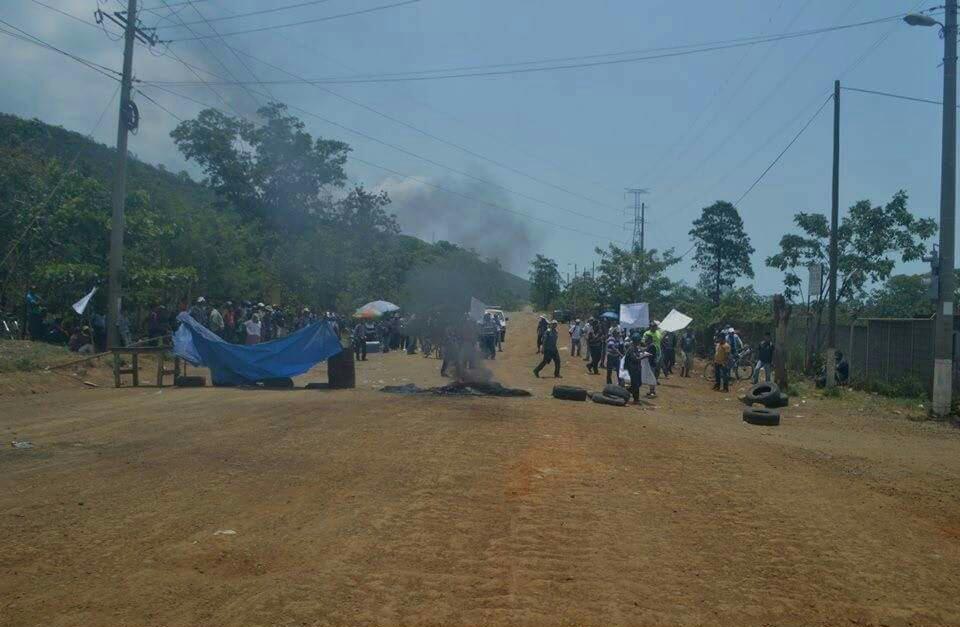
{"x": 184, "y": 238}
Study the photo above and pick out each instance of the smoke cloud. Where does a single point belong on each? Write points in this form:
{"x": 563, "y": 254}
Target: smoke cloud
{"x": 432, "y": 214}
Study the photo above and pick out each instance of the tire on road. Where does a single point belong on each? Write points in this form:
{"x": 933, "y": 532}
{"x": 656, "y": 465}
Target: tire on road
{"x": 617, "y": 391}
{"x": 763, "y": 393}
{"x": 763, "y": 417}
{"x": 569, "y": 393}
{"x": 603, "y": 399}
{"x": 184, "y": 381}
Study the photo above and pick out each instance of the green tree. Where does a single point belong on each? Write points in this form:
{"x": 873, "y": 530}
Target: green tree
{"x": 722, "y": 248}
{"x": 581, "y": 295}
{"x": 274, "y": 170}
{"x": 627, "y": 275}
{"x": 869, "y": 241}
{"x": 544, "y": 282}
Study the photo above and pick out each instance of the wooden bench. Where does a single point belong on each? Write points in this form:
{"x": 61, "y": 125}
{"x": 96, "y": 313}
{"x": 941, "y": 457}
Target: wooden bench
{"x": 134, "y": 353}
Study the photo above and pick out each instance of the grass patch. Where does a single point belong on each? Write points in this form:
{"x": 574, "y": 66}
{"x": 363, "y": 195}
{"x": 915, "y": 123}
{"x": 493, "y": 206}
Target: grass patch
{"x": 24, "y": 356}
{"x": 903, "y": 387}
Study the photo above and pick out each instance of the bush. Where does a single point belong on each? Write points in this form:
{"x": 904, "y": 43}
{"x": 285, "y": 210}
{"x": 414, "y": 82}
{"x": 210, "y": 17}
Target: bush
{"x": 904, "y": 387}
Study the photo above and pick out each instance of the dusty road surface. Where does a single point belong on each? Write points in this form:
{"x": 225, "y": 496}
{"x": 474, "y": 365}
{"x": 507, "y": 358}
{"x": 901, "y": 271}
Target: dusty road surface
{"x": 279, "y": 508}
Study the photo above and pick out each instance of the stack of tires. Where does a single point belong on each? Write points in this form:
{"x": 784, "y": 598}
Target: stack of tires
{"x": 771, "y": 397}
{"x": 612, "y": 395}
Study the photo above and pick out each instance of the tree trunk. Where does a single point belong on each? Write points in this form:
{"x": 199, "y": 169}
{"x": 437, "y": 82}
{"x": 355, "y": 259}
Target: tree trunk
{"x": 781, "y": 317}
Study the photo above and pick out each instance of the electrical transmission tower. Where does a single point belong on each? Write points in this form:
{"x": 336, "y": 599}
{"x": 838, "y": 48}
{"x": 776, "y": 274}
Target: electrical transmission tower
{"x": 639, "y": 217}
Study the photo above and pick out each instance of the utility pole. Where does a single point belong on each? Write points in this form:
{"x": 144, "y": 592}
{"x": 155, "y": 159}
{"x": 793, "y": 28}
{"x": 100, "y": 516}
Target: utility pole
{"x": 128, "y": 120}
{"x": 834, "y": 218}
{"x": 639, "y": 218}
{"x": 943, "y": 334}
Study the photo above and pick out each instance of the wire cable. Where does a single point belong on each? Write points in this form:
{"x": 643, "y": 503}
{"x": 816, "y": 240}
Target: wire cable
{"x": 784, "y": 151}
{"x": 237, "y": 16}
{"x": 33, "y": 39}
{"x": 303, "y": 22}
{"x": 527, "y": 216}
{"x": 897, "y": 96}
{"x": 677, "y": 51}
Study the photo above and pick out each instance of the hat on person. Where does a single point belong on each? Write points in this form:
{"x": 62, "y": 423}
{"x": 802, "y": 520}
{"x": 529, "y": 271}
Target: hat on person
{"x": 201, "y": 299}
{"x": 655, "y": 323}
{"x": 554, "y": 322}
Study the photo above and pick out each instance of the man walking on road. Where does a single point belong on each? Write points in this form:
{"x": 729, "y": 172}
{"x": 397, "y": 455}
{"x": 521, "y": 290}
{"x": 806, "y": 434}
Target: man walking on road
{"x": 576, "y": 335}
{"x": 550, "y": 352}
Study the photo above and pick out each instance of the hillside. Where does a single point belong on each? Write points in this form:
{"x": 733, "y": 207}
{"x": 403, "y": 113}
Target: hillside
{"x": 186, "y": 238}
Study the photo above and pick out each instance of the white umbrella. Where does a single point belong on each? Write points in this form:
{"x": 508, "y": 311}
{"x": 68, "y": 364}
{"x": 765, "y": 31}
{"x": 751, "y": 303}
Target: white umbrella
{"x": 375, "y": 309}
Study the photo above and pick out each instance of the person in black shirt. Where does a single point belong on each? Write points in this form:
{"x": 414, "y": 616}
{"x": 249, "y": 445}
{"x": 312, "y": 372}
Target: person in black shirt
{"x": 550, "y": 352}
{"x": 541, "y": 329}
{"x": 764, "y": 359}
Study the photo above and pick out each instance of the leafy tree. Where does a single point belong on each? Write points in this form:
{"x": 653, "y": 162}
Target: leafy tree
{"x": 631, "y": 275}
{"x": 581, "y": 295}
{"x": 275, "y": 170}
{"x": 868, "y": 240}
{"x": 722, "y": 248}
{"x": 544, "y": 282}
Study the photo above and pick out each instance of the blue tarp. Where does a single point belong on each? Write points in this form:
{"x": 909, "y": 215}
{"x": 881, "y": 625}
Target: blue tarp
{"x": 234, "y": 364}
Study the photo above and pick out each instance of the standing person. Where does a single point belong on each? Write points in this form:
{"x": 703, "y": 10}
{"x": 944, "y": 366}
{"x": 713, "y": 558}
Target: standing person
{"x": 669, "y": 347}
{"x": 229, "y": 323}
{"x": 359, "y": 340}
{"x": 550, "y": 352}
{"x": 451, "y": 352}
{"x": 253, "y": 329}
{"x": 655, "y": 335}
{"x": 541, "y": 329}
{"x": 489, "y": 331}
{"x": 216, "y": 321}
{"x": 198, "y": 310}
{"x": 764, "y": 359}
{"x": 613, "y": 352}
{"x": 721, "y": 367}
{"x": 687, "y": 347}
{"x": 34, "y": 314}
{"x": 649, "y": 355}
{"x": 576, "y": 335}
{"x": 156, "y": 322}
{"x": 595, "y": 344}
{"x": 633, "y": 364}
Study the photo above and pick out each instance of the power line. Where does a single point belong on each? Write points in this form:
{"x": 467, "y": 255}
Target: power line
{"x": 412, "y": 127}
{"x": 784, "y": 151}
{"x": 211, "y": 53}
{"x": 551, "y": 223}
{"x": 302, "y": 22}
{"x": 237, "y": 16}
{"x": 33, "y": 39}
{"x": 677, "y": 51}
{"x": 897, "y": 96}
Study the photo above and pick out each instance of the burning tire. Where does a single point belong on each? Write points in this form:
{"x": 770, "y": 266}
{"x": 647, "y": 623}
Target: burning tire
{"x": 603, "y": 399}
{"x": 617, "y": 391}
{"x": 569, "y": 393}
{"x": 190, "y": 382}
{"x": 763, "y": 417}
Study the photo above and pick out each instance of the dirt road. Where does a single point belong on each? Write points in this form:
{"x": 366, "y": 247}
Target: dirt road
{"x": 362, "y": 508}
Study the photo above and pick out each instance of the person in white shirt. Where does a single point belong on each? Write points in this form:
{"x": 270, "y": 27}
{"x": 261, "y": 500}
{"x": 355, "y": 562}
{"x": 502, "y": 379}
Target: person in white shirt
{"x": 576, "y": 336}
{"x": 215, "y": 321}
{"x": 253, "y": 330}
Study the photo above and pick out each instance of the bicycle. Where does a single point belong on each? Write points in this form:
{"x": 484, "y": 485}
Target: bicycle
{"x": 742, "y": 369}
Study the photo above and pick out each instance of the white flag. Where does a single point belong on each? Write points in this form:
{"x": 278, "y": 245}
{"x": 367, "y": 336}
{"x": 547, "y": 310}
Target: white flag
{"x": 675, "y": 321}
{"x": 477, "y": 309}
{"x": 81, "y": 305}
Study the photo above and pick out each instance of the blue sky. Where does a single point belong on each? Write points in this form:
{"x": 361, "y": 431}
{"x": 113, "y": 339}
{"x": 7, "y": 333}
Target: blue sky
{"x": 691, "y": 129}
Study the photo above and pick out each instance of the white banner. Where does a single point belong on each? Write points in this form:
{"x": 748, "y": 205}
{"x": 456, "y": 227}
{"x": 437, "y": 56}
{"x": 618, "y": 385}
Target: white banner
{"x": 477, "y": 308}
{"x": 81, "y": 305}
{"x": 675, "y": 321}
{"x": 634, "y": 316}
